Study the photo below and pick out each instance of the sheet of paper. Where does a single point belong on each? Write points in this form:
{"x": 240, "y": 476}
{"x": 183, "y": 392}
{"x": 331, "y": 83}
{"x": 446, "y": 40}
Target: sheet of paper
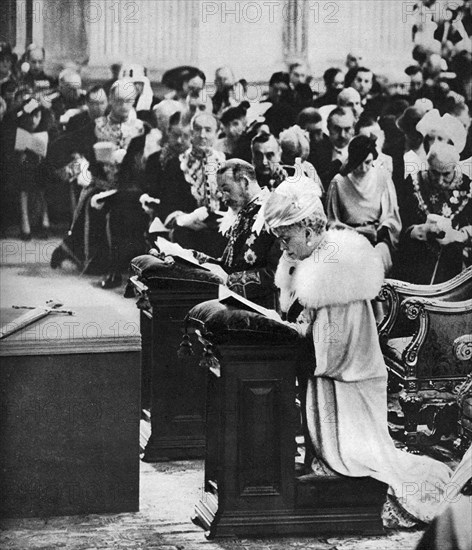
{"x": 157, "y": 226}
{"x": 177, "y": 251}
{"x": 38, "y": 143}
{"x": 225, "y": 295}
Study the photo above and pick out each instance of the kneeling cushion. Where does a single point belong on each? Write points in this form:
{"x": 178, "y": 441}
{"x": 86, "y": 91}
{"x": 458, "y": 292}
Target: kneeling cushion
{"x": 227, "y": 324}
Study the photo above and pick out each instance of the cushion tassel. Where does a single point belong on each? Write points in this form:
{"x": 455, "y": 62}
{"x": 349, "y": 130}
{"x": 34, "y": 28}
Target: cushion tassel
{"x": 185, "y": 348}
{"x": 209, "y": 361}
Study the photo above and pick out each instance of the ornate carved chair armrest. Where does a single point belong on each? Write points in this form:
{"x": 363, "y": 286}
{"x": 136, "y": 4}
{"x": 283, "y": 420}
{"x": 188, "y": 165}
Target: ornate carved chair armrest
{"x": 462, "y": 348}
{"x": 426, "y": 312}
{"x": 390, "y": 297}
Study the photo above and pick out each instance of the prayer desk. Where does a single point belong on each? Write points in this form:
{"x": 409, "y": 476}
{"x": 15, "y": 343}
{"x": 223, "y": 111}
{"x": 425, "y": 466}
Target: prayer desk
{"x": 173, "y": 387}
{"x": 70, "y": 407}
{"x": 251, "y": 488}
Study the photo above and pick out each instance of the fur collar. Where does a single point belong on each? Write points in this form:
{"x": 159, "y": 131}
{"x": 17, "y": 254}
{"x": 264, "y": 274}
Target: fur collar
{"x": 345, "y": 268}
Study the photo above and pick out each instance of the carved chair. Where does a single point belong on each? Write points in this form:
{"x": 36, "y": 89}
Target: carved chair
{"x": 428, "y": 353}
{"x": 405, "y": 352}
{"x": 394, "y": 292}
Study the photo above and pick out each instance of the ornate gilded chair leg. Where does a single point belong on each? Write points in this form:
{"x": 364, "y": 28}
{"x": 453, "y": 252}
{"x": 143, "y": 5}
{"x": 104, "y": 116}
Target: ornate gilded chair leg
{"x": 411, "y": 405}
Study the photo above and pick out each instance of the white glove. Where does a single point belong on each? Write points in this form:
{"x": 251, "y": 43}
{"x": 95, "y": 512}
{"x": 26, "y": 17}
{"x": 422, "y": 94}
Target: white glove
{"x": 194, "y": 220}
{"x": 95, "y": 203}
{"x": 84, "y": 178}
{"x": 172, "y": 218}
{"x": 145, "y": 200}
{"x": 452, "y": 236}
{"x": 118, "y": 156}
{"x": 420, "y": 232}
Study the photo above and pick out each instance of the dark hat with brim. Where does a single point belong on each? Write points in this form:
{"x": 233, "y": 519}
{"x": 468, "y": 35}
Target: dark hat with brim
{"x": 359, "y": 149}
{"x": 412, "y": 69}
{"x": 234, "y": 113}
{"x": 409, "y": 119}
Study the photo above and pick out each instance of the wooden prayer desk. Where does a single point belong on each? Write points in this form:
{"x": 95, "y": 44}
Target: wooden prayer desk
{"x": 251, "y": 488}
{"x": 70, "y": 407}
{"x": 173, "y": 387}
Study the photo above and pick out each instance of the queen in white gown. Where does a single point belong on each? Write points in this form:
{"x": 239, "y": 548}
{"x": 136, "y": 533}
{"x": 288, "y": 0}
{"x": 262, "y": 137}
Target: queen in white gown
{"x": 334, "y": 275}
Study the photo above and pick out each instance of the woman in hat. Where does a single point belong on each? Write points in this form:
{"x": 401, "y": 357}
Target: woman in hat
{"x": 334, "y": 275}
{"x": 281, "y": 114}
{"x": 145, "y": 100}
{"x": 415, "y": 155}
{"x": 446, "y": 129}
{"x": 363, "y": 198}
{"x": 436, "y": 240}
{"x": 234, "y": 121}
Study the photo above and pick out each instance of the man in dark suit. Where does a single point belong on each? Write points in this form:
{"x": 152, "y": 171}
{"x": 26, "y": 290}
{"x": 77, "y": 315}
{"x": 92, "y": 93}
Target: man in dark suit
{"x": 334, "y": 81}
{"x": 329, "y": 154}
{"x": 266, "y": 159}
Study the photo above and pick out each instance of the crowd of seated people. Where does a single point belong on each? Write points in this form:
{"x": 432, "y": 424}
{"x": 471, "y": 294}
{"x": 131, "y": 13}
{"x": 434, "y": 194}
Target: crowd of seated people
{"x": 390, "y": 162}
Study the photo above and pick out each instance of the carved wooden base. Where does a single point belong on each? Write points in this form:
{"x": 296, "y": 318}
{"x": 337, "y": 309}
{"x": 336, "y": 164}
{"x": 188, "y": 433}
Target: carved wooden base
{"x": 173, "y": 386}
{"x": 312, "y": 518}
{"x": 251, "y": 488}
{"x": 163, "y": 449}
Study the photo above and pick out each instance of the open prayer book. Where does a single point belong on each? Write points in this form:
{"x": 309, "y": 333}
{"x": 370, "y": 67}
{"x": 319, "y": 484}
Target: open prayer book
{"x": 177, "y": 251}
{"x": 227, "y": 296}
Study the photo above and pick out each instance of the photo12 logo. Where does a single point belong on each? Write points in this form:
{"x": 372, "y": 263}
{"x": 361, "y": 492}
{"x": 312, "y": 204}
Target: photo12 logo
{"x": 268, "y": 11}
{"x": 122, "y": 11}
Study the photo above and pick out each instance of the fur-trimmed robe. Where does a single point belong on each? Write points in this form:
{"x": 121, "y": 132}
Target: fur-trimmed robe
{"x": 347, "y": 396}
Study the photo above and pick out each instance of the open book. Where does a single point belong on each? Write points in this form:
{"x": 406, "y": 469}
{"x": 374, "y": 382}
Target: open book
{"x": 227, "y": 296}
{"x": 177, "y": 251}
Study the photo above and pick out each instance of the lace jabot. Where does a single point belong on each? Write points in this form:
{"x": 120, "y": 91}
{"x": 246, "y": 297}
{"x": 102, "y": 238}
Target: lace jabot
{"x": 199, "y": 169}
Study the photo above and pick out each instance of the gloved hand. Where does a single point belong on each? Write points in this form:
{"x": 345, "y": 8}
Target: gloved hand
{"x": 421, "y": 231}
{"x": 96, "y": 203}
{"x": 195, "y": 220}
{"x": 452, "y": 236}
{"x": 147, "y": 203}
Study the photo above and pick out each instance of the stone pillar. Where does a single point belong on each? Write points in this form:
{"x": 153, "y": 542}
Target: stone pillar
{"x": 8, "y": 22}
{"x": 65, "y": 33}
{"x": 295, "y": 32}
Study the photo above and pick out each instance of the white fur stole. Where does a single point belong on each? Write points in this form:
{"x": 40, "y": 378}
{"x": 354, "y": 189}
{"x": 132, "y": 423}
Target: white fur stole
{"x": 344, "y": 268}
